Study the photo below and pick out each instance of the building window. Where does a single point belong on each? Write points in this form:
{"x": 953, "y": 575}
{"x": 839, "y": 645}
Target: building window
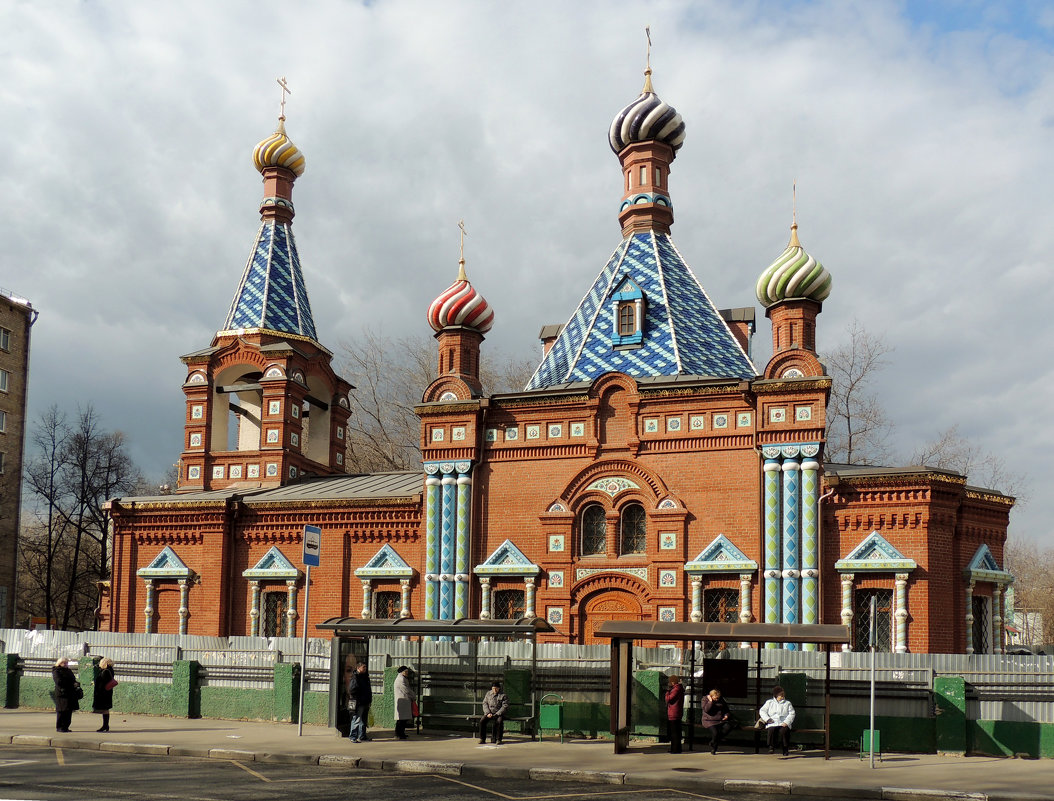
{"x": 5, "y": 339}
{"x": 594, "y": 530}
{"x": 387, "y": 605}
{"x": 4, "y": 377}
{"x": 634, "y": 530}
{"x": 3, "y": 422}
{"x": 275, "y": 605}
{"x": 509, "y": 605}
{"x": 628, "y": 314}
{"x": 883, "y": 620}
{"x": 1, "y": 461}
{"x": 720, "y": 606}
{"x": 981, "y": 627}
{"x": 627, "y": 322}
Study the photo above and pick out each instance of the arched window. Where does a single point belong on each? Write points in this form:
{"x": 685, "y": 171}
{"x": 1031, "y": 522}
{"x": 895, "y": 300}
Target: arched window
{"x": 633, "y": 529}
{"x": 594, "y": 530}
{"x": 627, "y": 320}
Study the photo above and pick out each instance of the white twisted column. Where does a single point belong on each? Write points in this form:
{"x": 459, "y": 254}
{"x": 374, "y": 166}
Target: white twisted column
{"x": 254, "y": 612}
{"x": 901, "y": 614}
{"x": 745, "y": 610}
{"x": 290, "y": 611}
{"x": 997, "y": 619}
{"x": 528, "y": 597}
{"x": 847, "y": 604}
{"x": 184, "y": 607}
{"x": 367, "y": 599}
{"x": 148, "y": 610}
{"x": 404, "y": 597}
{"x": 484, "y": 587}
{"x": 697, "y": 599}
{"x": 969, "y": 617}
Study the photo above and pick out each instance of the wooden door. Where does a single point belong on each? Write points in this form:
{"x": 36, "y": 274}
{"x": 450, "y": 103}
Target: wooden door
{"x": 610, "y": 605}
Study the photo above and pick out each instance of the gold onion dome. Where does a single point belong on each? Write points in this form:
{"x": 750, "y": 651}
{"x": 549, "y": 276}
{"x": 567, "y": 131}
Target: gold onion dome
{"x": 278, "y": 150}
{"x": 794, "y": 275}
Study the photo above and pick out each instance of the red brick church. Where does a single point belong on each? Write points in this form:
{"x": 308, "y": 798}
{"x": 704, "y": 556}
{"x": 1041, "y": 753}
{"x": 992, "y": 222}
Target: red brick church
{"x": 648, "y": 470}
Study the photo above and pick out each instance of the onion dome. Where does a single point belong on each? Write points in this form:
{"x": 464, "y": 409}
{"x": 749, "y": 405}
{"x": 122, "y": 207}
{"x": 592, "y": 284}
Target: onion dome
{"x": 647, "y": 119}
{"x": 795, "y": 274}
{"x": 277, "y": 150}
{"x": 461, "y": 304}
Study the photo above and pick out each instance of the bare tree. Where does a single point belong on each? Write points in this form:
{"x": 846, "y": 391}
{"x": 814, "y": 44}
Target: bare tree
{"x": 1033, "y": 571}
{"x": 390, "y": 376}
{"x": 858, "y": 430}
{"x": 951, "y": 451}
{"x": 75, "y": 468}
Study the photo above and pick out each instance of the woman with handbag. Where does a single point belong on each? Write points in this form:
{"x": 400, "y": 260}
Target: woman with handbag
{"x": 102, "y": 698}
{"x": 67, "y": 694}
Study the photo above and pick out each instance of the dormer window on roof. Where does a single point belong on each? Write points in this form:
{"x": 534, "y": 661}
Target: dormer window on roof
{"x": 627, "y": 313}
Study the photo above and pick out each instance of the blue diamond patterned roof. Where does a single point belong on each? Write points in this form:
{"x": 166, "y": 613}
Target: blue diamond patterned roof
{"x": 683, "y": 333}
{"x": 272, "y": 294}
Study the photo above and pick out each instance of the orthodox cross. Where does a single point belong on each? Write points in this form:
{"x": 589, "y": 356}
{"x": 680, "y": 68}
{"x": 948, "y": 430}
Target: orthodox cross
{"x": 794, "y": 202}
{"x": 464, "y": 233}
{"x": 647, "y": 56}
{"x": 285, "y": 91}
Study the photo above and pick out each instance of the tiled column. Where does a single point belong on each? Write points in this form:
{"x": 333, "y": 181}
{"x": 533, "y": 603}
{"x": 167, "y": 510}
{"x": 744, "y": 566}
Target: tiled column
{"x": 969, "y": 617}
{"x": 847, "y": 604}
{"x": 528, "y": 596}
{"x": 184, "y": 608}
{"x": 462, "y": 544}
{"x": 484, "y": 591}
{"x": 810, "y": 573}
{"x": 448, "y": 533}
{"x": 254, "y": 612}
{"x": 367, "y": 599}
{"x": 791, "y": 553}
{"x": 148, "y": 610}
{"x": 290, "y": 612}
{"x": 901, "y": 614}
{"x": 432, "y": 549}
{"x": 772, "y": 542}
{"x": 697, "y": 599}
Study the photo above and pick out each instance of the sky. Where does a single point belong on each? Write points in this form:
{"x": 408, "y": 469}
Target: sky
{"x": 920, "y": 136}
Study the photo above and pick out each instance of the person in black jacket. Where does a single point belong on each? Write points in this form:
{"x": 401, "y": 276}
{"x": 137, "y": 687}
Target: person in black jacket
{"x": 102, "y": 695}
{"x": 360, "y": 696}
{"x": 717, "y": 718}
{"x": 66, "y": 701}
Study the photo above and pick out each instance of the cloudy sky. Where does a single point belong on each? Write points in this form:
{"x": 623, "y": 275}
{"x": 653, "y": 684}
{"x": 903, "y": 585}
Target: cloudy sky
{"x": 920, "y": 134}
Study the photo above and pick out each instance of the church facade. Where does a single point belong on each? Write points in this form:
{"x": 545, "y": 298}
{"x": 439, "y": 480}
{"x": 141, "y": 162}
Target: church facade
{"x": 648, "y": 470}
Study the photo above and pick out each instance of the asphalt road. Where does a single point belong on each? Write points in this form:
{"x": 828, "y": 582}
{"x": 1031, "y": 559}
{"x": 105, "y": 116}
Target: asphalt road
{"x": 50, "y": 774}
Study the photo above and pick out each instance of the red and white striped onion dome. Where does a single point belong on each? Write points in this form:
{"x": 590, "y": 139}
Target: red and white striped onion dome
{"x": 277, "y": 150}
{"x": 461, "y": 304}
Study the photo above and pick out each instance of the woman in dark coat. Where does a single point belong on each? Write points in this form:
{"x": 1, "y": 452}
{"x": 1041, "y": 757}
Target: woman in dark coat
{"x": 102, "y": 698}
{"x": 717, "y": 717}
{"x": 674, "y": 712}
{"x": 65, "y": 694}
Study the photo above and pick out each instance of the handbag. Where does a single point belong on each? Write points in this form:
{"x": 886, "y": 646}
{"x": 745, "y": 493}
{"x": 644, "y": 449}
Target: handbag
{"x": 415, "y": 711}
{"x": 110, "y": 684}
{"x": 78, "y": 693}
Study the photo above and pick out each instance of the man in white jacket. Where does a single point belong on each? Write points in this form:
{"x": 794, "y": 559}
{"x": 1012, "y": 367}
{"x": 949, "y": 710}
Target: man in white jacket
{"x": 778, "y": 714}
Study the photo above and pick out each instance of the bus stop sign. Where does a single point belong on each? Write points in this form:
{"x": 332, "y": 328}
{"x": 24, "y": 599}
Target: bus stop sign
{"x": 312, "y": 545}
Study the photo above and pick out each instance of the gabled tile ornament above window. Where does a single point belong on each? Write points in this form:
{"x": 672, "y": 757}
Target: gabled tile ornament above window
{"x": 983, "y": 567}
{"x": 873, "y": 554}
{"x": 166, "y": 565}
{"x": 507, "y": 560}
{"x": 627, "y": 314}
{"x": 612, "y": 486}
{"x": 273, "y": 566}
{"x": 386, "y": 563}
{"x": 721, "y": 556}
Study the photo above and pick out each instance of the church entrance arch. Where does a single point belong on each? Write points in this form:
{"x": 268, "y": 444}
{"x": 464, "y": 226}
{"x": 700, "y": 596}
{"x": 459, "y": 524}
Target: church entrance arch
{"x": 612, "y": 604}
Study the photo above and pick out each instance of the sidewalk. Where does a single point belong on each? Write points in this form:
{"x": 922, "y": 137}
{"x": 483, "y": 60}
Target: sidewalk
{"x": 898, "y": 776}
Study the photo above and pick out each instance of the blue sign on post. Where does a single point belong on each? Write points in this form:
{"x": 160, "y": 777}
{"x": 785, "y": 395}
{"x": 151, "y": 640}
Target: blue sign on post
{"x": 312, "y": 545}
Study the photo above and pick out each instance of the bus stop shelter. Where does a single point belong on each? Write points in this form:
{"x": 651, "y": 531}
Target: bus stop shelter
{"x": 351, "y": 635}
{"x": 623, "y": 633}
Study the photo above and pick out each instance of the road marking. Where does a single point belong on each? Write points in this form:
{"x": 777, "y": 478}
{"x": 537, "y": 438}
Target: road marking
{"x": 259, "y": 776}
{"x": 59, "y": 757}
{"x": 11, "y": 763}
{"x": 579, "y": 794}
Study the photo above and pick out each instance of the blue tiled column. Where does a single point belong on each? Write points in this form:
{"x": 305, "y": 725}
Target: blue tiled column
{"x": 772, "y": 541}
{"x": 791, "y": 475}
{"x": 447, "y": 544}
{"x": 433, "y": 513}
{"x": 462, "y": 546}
{"x": 810, "y": 573}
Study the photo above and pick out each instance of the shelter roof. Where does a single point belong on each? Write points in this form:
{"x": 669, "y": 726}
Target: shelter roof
{"x": 525, "y": 627}
{"x": 740, "y": 632}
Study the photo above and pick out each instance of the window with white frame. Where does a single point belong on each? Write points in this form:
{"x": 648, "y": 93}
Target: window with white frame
{"x": 5, "y": 339}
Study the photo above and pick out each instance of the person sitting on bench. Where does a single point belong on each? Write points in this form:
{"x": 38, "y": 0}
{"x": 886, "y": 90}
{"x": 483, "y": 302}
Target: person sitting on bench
{"x": 777, "y": 714}
{"x": 495, "y": 705}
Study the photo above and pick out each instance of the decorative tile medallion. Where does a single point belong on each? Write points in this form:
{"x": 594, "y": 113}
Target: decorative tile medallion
{"x": 292, "y": 472}
{"x": 668, "y": 503}
{"x": 274, "y": 407}
{"x": 578, "y": 429}
{"x": 236, "y": 471}
{"x": 197, "y": 411}
{"x": 448, "y": 396}
{"x": 491, "y": 435}
{"x": 195, "y": 440}
{"x": 651, "y": 425}
{"x": 556, "y": 506}
{"x": 636, "y": 572}
{"x": 612, "y": 486}
{"x": 720, "y": 421}
{"x": 272, "y": 436}
{"x": 697, "y": 422}
{"x": 743, "y": 420}
{"x": 673, "y": 424}
{"x": 512, "y": 434}
{"x": 668, "y": 614}
{"x": 194, "y": 472}
{"x": 556, "y": 578}
{"x": 340, "y": 432}
{"x": 556, "y": 543}
{"x": 777, "y": 414}
{"x": 294, "y": 410}
{"x": 534, "y": 432}
{"x": 437, "y": 435}
{"x": 554, "y": 615}
{"x": 294, "y": 439}
{"x": 667, "y": 540}
{"x": 272, "y": 469}
{"x": 457, "y": 433}
{"x": 803, "y": 413}
{"x": 252, "y": 471}
{"x": 274, "y": 372}
{"x": 555, "y": 431}
{"x": 667, "y": 578}
{"x": 340, "y": 458}
{"x": 218, "y": 471}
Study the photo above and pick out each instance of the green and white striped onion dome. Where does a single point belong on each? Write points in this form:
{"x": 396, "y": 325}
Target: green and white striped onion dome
{"x": 795, "y": 274}
{"x": 278, "y": 151}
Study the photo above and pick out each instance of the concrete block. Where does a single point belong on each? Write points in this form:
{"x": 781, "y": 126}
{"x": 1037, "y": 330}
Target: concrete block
{"x": 296, "y": 759}
{"x": 231, "y": 753}
{"x": 496, "y": 771}
{"x": 338, "y": 761}
{"x": 428, "y": 766}
{"x": 908, "y": 794}
{"x": 34, "y": 739}
{"x": 574, "y": 775}
{"x": 814, "y": 791}
{"x": 187, "y": 751}
{"x": 155, "y": 749}
{"x": 79, "y": 743}
{"x": 757, "y": 786}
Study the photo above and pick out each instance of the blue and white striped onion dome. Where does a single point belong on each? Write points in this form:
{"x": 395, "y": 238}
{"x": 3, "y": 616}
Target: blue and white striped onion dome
{"x": 795, "y": 274}
{"x": 646, "y": 119}
{"x": 278, "y": 151}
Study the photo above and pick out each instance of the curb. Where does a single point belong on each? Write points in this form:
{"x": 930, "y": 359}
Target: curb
{"x": 699, "y": 784}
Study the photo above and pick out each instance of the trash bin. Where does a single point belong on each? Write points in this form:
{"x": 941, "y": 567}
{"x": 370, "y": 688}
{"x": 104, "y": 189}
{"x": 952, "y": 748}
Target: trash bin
{"x": 551, "y": 715}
